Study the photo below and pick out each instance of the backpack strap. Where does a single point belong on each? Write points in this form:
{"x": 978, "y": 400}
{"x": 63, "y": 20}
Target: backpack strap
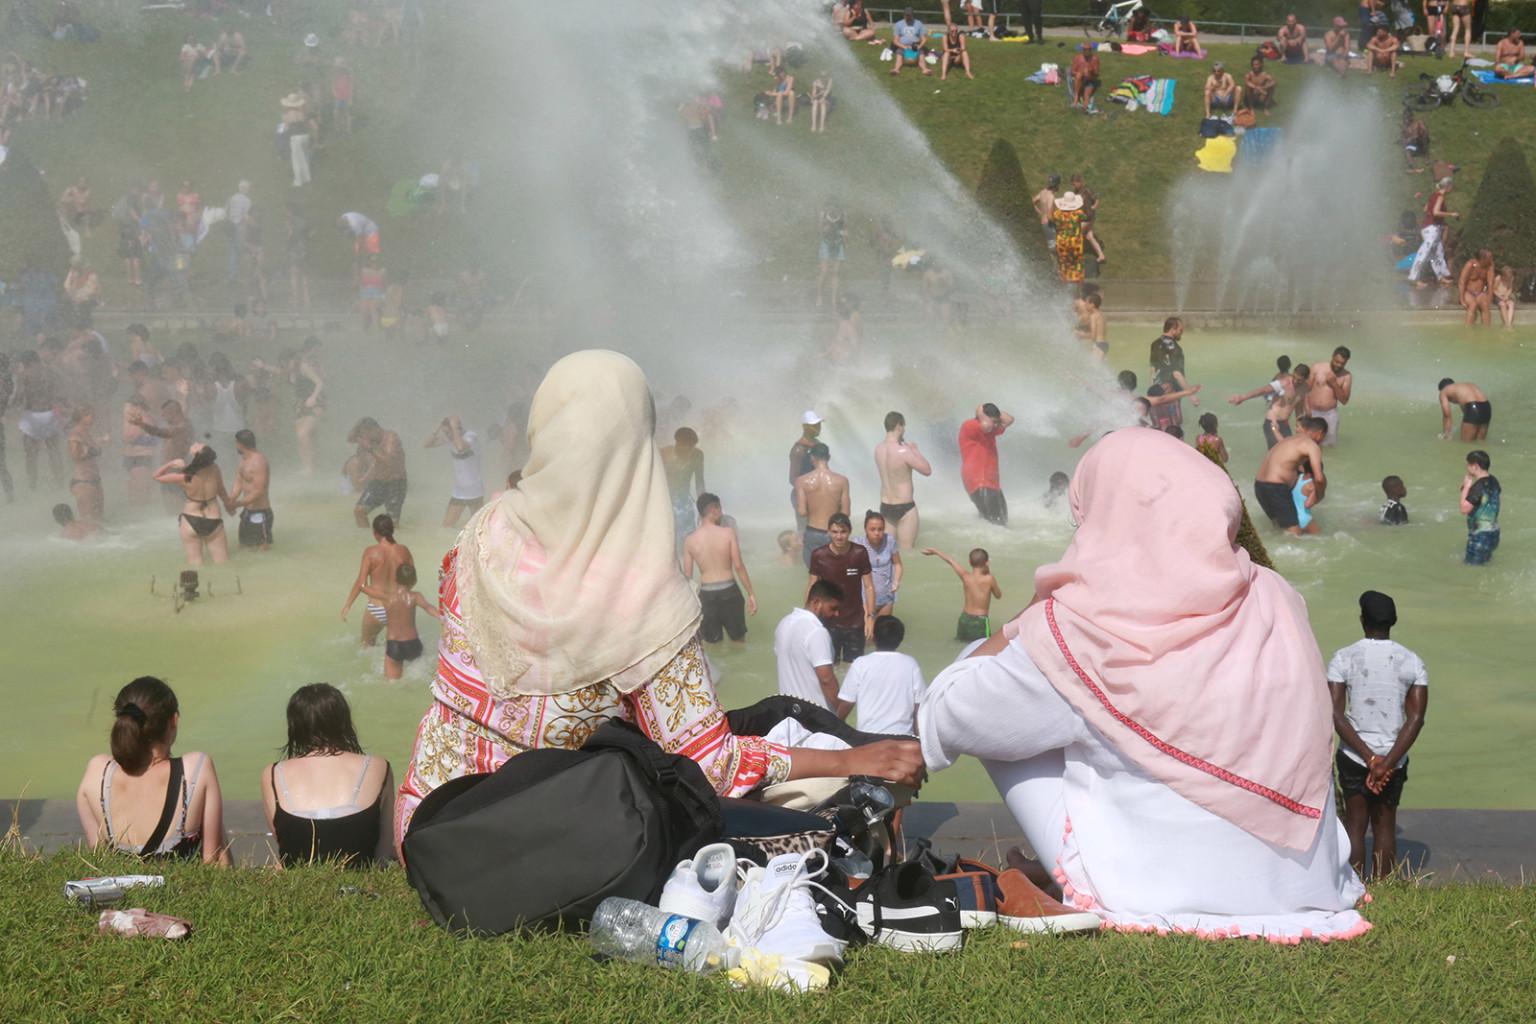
{"x": 167, "y": 813}
{"x": 690, "y": 787}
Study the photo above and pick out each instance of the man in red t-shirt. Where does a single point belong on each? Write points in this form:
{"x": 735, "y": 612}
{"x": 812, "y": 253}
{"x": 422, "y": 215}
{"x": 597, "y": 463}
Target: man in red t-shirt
{"x": 978, "y": 462}
{"x": 846, "y": 566}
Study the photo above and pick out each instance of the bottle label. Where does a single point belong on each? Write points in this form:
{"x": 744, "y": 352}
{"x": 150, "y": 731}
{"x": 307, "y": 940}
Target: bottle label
{"x": 672, "y": 943}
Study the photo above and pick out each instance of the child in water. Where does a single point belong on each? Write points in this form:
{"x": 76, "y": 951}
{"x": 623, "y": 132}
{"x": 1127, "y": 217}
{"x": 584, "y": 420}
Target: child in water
{"x": 402, "y": 642}
{"x": 789, "y": 548}
{"x": 1057, "y": 488}
{"x": 1299, "y": 494}
{"x": 1209, "y": 443}
{"x": 980, "y": 587}
{"x": 1393, "y": 513}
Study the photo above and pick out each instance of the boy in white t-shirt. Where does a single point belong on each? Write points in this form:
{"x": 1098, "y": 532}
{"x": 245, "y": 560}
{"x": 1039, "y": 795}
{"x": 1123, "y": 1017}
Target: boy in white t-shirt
{"x": 886, "y": 686}
{"x": 1380, "y": 692}
{"x": 802, "y": 646}
{"x": 468, "y": 492}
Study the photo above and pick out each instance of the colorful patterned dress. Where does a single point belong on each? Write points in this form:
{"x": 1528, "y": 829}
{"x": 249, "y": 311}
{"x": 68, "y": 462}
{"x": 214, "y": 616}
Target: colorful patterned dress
{"x": 470, "y": 730}
{"x": 1071, "y": 225}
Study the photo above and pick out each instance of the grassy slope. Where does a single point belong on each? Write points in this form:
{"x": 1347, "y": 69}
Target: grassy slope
{"x": 293, "y": 947}
{"x": 139, "y": 124}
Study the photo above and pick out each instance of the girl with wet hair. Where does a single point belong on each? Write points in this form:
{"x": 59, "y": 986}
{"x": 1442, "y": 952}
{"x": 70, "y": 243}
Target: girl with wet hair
{"x": 327, "y": 799}
{"x": 202, "y": 517}
{"x": 140, "y": 799}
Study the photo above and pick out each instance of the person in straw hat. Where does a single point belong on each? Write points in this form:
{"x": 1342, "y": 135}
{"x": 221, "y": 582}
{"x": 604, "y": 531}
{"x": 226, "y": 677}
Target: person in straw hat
{"x": 1070, "y": 221}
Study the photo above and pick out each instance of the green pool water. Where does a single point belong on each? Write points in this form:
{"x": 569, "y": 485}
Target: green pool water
{"x": 79, "y": 621}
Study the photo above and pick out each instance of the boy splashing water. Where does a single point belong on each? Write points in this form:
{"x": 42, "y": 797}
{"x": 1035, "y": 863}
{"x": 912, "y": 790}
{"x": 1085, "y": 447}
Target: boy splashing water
{"x": 980, "y": 588}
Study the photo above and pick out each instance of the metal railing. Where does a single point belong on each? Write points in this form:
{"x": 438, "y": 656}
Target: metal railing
{"x": 1243, "y": 30}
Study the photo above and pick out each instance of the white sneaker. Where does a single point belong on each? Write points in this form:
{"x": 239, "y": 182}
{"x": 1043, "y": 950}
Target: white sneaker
{"x": 776, "y": 915}
{"x": 703, "y": 888}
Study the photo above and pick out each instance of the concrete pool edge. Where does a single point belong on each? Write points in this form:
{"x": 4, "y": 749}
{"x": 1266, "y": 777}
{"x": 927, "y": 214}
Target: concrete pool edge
{"x": 1440, "y": 845}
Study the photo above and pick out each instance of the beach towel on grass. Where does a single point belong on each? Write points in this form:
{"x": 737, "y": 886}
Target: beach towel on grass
{"x": 1166, "y": 49}
{"x": 1132, "y": 90}
{"x": 1257, "y": 144}
{"x": 1489, "y": 78}
{"x": 1159, "y": 99}
{"x": 1217, "y": 154}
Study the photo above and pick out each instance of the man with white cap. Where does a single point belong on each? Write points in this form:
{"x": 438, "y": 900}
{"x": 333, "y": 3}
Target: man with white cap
{"x": 800, "y": 457}
{"x": 236, "y": 213}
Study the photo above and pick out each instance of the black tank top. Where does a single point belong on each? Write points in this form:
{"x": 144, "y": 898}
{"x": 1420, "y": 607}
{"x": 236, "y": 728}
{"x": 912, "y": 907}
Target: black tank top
{"x": 353, "y": 838}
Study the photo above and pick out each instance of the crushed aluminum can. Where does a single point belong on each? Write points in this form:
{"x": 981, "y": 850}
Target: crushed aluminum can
{"x": 102, "y": 892}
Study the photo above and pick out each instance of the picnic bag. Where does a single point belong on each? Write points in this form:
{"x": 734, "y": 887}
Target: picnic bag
{"x": 540, "y": 842}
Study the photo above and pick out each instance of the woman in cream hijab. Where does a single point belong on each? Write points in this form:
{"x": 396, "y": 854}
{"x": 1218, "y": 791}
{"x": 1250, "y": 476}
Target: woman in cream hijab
{"x": 1157, "y": 719}
{"x": 562, "y": 606}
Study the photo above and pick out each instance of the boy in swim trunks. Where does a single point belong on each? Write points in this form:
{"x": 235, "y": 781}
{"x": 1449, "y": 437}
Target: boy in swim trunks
{"x": 400, "y": 602}
{"x": 1480, "y": 494}
{"x": 384, "y": 483}
{"x": 715, "y": 549}
{"x": 980, "y": 588}
{"x": 1476, "y": 410}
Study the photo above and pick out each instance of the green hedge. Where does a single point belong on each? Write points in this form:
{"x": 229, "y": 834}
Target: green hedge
{"x": 1503, "y": 215}
{"x": 1500, "y": 16}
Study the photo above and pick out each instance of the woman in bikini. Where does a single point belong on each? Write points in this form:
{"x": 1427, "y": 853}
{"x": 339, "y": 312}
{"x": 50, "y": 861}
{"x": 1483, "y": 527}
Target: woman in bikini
{"x": 1461, "y": 25}
{"x": 139, "y": 799}
{"x": 202, "y": 521}
{"x": 84, "y": 449}
{"x": 1186, "y": 37}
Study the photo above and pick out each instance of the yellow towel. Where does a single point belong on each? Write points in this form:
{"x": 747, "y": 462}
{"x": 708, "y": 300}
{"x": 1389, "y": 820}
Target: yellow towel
{"x": 1216, "y": 155}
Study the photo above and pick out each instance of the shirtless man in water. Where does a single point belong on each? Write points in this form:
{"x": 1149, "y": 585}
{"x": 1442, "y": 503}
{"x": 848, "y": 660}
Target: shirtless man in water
{"x": 1476, "y": 410}
{"x": 380, "y": 562}
{"x": 1281, "y": 469}
{"x": 819, "y": 495}
{"x": 897, "y": 459}
{"x": 1329, "y": 387}
{"x": 384, "y": 483}
{"x": 683, "y": 463}
{"x": 249, "y": 500}
{"x": 1284, "y": 393}
{"x": 714, "y": 548}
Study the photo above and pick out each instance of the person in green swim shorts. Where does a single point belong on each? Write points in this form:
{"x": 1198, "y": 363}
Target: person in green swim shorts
{"x": 980, "y": 588}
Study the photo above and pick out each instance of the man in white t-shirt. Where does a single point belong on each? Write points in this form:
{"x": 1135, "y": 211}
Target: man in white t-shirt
{"x": 1380, "y": 692}
{"x": 886, "y": 686}
{"x": 468, "y": 487}
{"x": 803, "y": 648}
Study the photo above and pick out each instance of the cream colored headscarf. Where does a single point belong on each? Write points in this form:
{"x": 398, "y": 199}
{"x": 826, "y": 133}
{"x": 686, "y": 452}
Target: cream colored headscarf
{"x": 571, "y": 579}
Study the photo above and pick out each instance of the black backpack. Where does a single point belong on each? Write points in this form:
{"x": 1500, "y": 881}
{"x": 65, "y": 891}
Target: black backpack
{"x": 541, "y": 842}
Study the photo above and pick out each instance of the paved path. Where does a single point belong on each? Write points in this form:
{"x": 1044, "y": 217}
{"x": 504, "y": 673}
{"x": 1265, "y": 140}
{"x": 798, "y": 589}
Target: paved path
{"x": 1443, "y": 845}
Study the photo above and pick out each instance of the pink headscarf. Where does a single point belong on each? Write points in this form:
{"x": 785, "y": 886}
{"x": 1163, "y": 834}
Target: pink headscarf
{"x": 1196, "y": 664}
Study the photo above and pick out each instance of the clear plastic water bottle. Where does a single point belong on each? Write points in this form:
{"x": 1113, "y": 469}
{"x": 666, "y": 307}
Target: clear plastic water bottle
{"x": 631, "y": 930}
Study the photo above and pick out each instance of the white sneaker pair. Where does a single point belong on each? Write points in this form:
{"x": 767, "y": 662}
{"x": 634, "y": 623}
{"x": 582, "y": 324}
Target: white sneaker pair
{"x": 772, "y": 913}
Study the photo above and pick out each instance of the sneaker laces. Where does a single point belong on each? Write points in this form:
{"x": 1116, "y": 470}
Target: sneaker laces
{"x": 755, "y": 919}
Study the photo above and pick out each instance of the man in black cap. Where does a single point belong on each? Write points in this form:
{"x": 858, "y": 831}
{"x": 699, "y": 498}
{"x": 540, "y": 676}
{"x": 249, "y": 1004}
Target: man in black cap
{"x": 1380, "y": 692}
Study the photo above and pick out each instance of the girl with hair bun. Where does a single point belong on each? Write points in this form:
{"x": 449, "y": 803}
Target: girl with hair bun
{"x": 140, "y": 799}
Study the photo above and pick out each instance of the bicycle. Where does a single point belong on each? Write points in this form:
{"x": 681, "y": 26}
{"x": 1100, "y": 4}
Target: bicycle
{"x": 1113, "y": 22}
{"x": 1442, "y": 90}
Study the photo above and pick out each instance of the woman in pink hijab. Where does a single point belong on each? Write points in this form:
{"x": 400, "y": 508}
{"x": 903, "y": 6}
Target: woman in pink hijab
{"x": 1157, "y": 719}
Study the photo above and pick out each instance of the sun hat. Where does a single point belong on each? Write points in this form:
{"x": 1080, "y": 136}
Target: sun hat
{"x": 810, "y": 418}
{"x": 1069, "y": 201}
{"x": 293, "y": 101}
{"x": 312, "y": 40}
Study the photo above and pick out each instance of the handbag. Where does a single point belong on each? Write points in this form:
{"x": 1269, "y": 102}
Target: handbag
{"x": 540, "y": 842}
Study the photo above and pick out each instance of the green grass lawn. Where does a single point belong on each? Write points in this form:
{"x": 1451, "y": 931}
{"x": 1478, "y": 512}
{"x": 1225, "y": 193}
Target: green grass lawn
{"x": 295, "y": 947}
{"x": 465, "y": 104}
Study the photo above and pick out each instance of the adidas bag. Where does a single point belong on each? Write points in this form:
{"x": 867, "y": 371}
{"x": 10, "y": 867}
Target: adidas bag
{"x": 546, "y": 838}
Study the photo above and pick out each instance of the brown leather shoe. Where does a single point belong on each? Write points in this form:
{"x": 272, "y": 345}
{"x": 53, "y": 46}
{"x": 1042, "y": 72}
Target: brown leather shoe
{"x": 1023, "y": 907}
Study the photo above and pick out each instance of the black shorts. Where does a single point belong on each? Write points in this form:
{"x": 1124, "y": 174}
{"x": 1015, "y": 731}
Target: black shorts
{"x": 847, "y": 643}
{"x": 1352, "y": 781}
{"x": 1477, "y": 414}
{"x": 255, "y": 527}
{"x": 1274, "y": 430}
{"x": 389, "y": 493}
{"x": 991, "y": 504}
{"x": 402, "y": 650}
{"x": 725, "y": 612}
{"x": 1277, "y": 503}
